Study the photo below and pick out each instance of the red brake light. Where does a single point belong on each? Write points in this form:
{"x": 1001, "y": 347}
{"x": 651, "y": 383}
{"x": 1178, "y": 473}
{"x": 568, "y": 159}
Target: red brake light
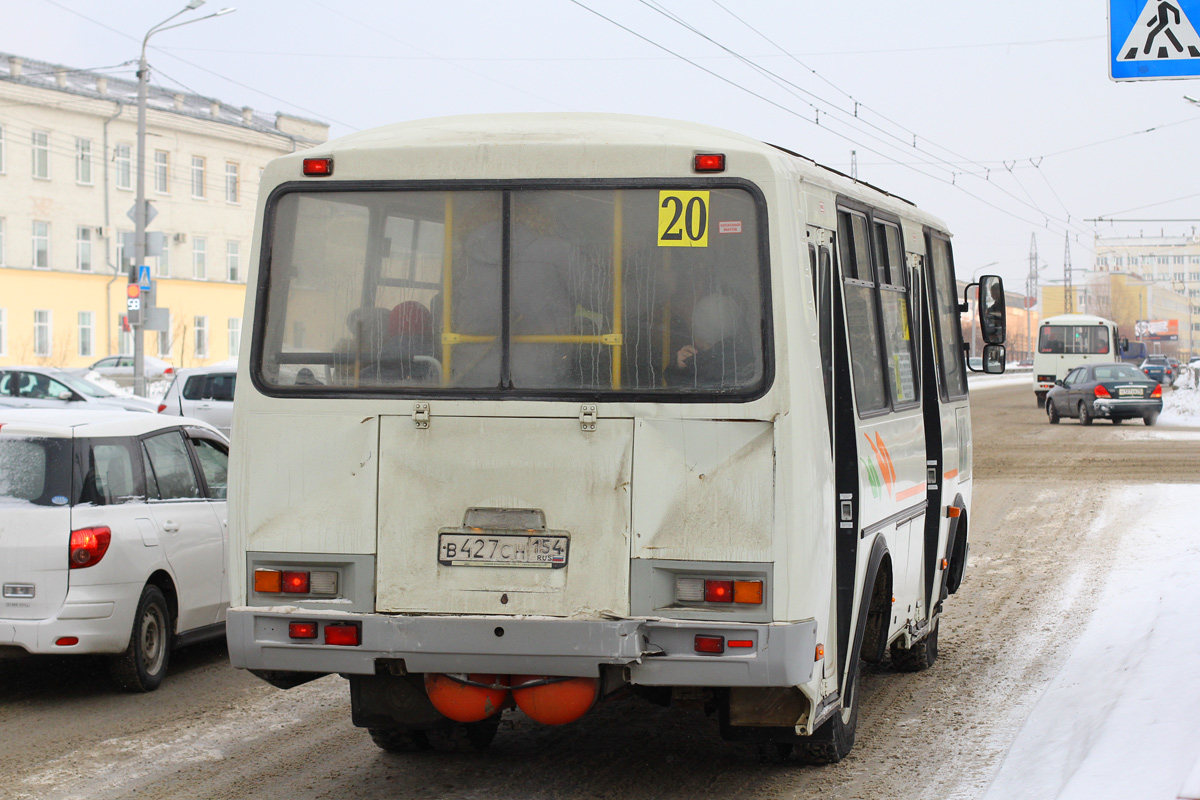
{"x": 169, "y": 371}
{"x": 710, "y": 162}
{"x": 162, "y": 407}
{"x": 718, "y": 591}
{"x": 88, "y": 546}
{"x": 66, "y": 641}
{"x": 342, "y": 633}
{"x": 302, "y": 630}
{"x": 1157, "y": 391}
{"x": 295, "y": 582}
{"x": 319, "y": 167}
{"x": 710, "y": 644}
{"x": 1100, "y": 391}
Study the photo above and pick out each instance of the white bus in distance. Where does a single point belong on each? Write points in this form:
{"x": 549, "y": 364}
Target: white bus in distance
{"x": 1067, "y": 341}
{"x": 543, "y": 408}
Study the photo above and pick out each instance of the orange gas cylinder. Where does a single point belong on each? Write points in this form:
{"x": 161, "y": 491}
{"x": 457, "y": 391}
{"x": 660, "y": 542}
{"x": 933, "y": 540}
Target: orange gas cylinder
{"x": 557, "y": 702}
{"x": 463, "y": 702}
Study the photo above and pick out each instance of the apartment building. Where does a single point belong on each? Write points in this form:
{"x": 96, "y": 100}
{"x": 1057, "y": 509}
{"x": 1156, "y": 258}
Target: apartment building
{"x": 68, "y": 161}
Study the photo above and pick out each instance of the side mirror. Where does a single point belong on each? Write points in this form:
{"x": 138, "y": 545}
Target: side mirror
{"x": 67, "y": 396}
{"x": 1124, "y": 345}
{"x": 1059, "y": 382}
{"x": 993, "y": 313}
{"x": 993, "y": 359}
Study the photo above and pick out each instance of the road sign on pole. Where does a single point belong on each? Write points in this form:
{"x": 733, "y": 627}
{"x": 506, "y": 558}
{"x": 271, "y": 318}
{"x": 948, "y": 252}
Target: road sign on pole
{"x": 144, "y": 277}
{"x": 1153, "y": 39}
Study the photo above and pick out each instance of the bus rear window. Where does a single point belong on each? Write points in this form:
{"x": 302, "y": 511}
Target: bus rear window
{"x": 530, "y": 292}
{"x": 35, "y": 470}
{"x": 1079, "y": 339}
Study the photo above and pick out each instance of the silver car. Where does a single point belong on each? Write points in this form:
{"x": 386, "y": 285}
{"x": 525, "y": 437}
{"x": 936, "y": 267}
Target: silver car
{"x": 202, "y": 393}
{"x": 48, "y": 387}
{"x": 119, "y": 369}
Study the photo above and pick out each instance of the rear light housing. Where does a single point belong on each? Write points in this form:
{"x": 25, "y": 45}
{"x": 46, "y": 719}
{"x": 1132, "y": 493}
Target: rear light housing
{"x": 318, "y": 167}
{"x": 709, "y": 644}
{"x": 1157, "y": 393}
{"x": 346, "y": 634}
{"x": 88, "y": 546}
{"x": 322, "y": 583}
{"x": 718, "y": 590}
{"x": 1100, "y": 391}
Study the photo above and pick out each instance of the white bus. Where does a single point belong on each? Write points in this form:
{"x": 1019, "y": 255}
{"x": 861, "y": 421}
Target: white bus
{"x": 1067, "y": 341}
{"x": 541, "y": 408}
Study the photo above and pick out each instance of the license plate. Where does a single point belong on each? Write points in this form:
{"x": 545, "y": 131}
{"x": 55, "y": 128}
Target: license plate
{"x": 1130, "y": 391}
{"x": 502, "y": 550}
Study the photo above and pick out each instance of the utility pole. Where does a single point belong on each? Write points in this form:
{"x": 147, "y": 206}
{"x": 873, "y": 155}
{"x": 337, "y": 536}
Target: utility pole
{"x": 1031, "y": 291}
{"x": 1068, "y": 289}
{"x": 854, "y": 164}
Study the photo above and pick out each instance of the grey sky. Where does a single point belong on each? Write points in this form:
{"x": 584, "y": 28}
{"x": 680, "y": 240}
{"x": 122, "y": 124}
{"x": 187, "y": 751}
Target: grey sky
{"x": 1017, "y": 126}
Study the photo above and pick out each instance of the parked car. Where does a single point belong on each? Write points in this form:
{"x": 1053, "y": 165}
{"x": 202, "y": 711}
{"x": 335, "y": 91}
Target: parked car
{"x": 1158, "y": 368}
{"x": 48, "y": 387}
{"x": 1110, "y": 391}
{"x": 119, "y": 369}
{"x": 204, "y": 393}
{"x": 112, "y": 536}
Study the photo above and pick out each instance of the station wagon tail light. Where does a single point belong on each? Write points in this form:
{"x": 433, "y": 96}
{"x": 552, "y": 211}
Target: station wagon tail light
{"x": 162, "y": 407}
{"x": 347, "y": 634}
{"x": 1100, "y": 391}
{"x": 169, "y": 371}
{"x": 710, "y": 162}
{"x": 709, "y": 644}
{"x": 318, "y": 167}
{"x": 302, "y": 630}
{"x": 88, "y": 546}
{"x": 1157, "y": 392}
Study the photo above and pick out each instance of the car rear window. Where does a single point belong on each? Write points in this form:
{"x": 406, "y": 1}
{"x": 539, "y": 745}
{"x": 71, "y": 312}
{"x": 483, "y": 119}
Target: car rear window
{"x": 1118, "y": 373}
{"x": 35, "y": 470}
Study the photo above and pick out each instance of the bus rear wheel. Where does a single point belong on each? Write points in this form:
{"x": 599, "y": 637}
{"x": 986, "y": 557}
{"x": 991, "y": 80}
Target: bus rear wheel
{"x": 834, "y": 740}
{"x": 918, "y": 657}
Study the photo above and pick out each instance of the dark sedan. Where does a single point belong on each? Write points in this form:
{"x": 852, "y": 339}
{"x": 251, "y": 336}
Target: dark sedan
{"x": 1158, "y": 368}
{"x": 1110, "y": 391}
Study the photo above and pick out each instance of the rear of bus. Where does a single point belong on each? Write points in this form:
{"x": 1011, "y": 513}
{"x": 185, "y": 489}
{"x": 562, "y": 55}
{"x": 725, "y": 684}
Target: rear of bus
{"x": 508, "y": 431}
{"x": 1067, "y": 341}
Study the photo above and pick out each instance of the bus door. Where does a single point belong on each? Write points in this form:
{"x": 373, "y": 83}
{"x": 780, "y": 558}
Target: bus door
{"x": 886, "y": 428}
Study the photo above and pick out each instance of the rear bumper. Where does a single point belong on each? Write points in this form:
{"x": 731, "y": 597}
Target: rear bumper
{"x": 1120, "y": 409}
{"x": 100, "y": 617}
{"x": 656, "y": 652}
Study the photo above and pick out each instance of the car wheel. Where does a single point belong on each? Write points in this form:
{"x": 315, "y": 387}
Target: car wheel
{"x": 1117, "y": 421}
{"x": 1052, "y": 412}
{"x": 1085, "y": 416}
{"x": 1151, "y": 418}
{"x": 918, "y": 657}
{"x": 143, "y": 665}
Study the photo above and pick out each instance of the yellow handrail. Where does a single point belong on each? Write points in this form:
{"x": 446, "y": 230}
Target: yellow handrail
{"x": 447, "y": 259}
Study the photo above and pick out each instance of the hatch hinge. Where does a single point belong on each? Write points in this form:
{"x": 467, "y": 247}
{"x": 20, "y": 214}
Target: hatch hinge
{"x": 587, "y": 417}
{"x": 421, "y": 415}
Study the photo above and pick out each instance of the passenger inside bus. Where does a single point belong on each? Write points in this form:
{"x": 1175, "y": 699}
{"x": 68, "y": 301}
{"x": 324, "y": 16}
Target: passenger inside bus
{"x": 1052, "y": 340}
{"x": 716, "y": 356}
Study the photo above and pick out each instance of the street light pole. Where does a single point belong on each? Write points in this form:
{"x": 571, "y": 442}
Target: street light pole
{"x": 139, "y": 213}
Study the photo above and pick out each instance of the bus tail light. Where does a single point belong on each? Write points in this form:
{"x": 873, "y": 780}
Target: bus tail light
{"x": 1100, "y": 391}
{"x": 318, "y": 167}
{"x": 88, "y": 546}
{"x": 343, "y": 633}
{"x": 710, "y": 644}
{"x": 709, "y": 162}
{"x": 718, "y": 590}
{"x": 274, "y": 581}
{"x": 1157, "y": 393}
{"x": 295, "y": 582}
{"x": 748, "y": 592}
{"x": 268, "y": 581}
{"x": 302, "y": 630}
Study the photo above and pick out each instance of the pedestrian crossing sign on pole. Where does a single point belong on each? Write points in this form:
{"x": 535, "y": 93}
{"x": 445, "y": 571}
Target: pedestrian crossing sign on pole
{"x": 1153, "y": 39}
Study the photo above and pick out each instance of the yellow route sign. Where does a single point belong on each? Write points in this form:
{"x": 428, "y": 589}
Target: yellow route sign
{"x": 682, "y": 219}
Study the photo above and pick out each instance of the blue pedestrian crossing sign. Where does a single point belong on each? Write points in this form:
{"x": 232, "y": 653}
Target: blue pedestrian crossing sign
{"x": 1153, "y": 39}
{"x": 144, "y": 276}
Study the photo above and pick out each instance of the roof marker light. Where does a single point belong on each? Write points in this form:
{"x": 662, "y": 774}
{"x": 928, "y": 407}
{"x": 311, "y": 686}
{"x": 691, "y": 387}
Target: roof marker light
{"x": 709, "y": 162}
{"x": 318, "y": 167}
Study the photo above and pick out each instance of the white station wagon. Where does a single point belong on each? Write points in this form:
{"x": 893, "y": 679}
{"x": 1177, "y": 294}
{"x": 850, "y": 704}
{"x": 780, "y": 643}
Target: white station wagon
{"x": 112, "y": 536}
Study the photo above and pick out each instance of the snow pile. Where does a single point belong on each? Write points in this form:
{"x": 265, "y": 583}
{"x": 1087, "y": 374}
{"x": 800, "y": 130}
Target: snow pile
{"x": 1181, "y": 405}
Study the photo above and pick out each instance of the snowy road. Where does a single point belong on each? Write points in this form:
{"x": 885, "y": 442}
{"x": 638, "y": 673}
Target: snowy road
{"x": 1066, "y": 670}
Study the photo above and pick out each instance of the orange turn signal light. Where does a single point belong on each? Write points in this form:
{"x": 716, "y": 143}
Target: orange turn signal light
{"x": 268, "y": 581}
{"x": 953, "y": 511}
{"x": 748, "y": 592}
{"x": 820, "y": 652}
{"x": 945, "y": 563}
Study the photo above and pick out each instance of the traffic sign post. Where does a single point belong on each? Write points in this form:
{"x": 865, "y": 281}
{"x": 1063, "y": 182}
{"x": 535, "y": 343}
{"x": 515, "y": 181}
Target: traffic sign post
{"x": 1153, "y": 39}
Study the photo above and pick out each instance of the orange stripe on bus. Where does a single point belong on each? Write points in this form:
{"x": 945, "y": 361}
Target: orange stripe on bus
{"x": 907, "y": 493}
{"x": 952, "y": 474}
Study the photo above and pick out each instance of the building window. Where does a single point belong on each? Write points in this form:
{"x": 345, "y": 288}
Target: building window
{"x": 3, "y": 332}
{"x": 3, "y": 167}
{"x": 41, "y": 245}
{"x": 124, "y": 341}
{"x": 197, "y": 177}
{"x": 1194, "y": 259}
{"x": 1163, "y": 260}
{"x": 161, "y": 175}
{"x": 83, "y": 249}
{"x": 2, "y": 261}
{"x": 164, "y": 339}
{"x": 232, "y": 256}
{"x": 1194, "y": 276}
{"x": 87, "y": 326}
{"x": 231, "y": 183}
{"x": 200, "y": 325}
{"x": 1177, "y": 259}
{"x": 41, "y": 155}
{"x": 42, "y": 339}
{"x": 235, "y": 336}
{"x": 83, "y": 161}
{"x": 123, "y": 166}
{"x": 1179, "y": 277}
{"x": 163, "y": 270}
{"x": 199, "y": 268}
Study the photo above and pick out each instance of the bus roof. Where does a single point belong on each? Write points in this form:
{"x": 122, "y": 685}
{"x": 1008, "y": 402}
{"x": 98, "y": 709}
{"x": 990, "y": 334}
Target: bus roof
{"x": 1077, "y": 319}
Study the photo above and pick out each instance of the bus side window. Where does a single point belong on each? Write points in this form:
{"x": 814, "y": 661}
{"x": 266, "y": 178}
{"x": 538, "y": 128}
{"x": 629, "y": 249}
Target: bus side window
{"x": 870, "y": 391}
{"x": 822, "y": 268}
{"x": 894, "y": 302}
{"x": 947, "y": 328}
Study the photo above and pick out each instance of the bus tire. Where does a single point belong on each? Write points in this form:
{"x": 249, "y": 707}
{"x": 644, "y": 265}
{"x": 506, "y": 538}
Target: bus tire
{"x": 143, "y": 665}
{"x": 1041, "y": 398}
{"x": 918, "y": 657}
{"x": 397, "y": 740}
{"x": 463, "y": 737}
{"x": 1085, "y": 416}
{"x": 834, "y": 740}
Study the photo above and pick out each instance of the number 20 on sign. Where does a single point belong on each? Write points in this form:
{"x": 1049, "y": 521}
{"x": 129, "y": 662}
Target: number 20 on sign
{"x": 682, "y": 219}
